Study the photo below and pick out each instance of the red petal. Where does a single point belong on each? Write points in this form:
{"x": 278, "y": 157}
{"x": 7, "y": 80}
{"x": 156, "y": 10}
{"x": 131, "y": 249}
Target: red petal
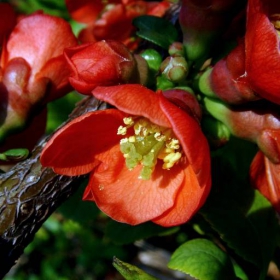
{"x": 84, "y": 11}
{"x": 190, "y": 197}
{"x": 38, "y": 38}
{"x": 265, "y": 176}
{"x": 134, "y": 99}
{"x": 262, "y": 49}
{"x": 120, "y": 194}
{"x": 193, "y": 141}
{"x": 73, "y": 149}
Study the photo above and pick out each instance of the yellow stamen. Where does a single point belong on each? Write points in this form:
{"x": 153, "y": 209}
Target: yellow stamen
{"x": 149, "y": 144}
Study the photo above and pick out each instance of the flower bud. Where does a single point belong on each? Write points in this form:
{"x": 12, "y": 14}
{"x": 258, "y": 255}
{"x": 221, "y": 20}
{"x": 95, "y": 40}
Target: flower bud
{"x": 258, "y": 122}
{"x": 103, "y": 63}
{"x": 33, "y": 70}
{"x": 226, "y": 80}
{"x": 174, "y": 68}
{"x": 176, "y": 49}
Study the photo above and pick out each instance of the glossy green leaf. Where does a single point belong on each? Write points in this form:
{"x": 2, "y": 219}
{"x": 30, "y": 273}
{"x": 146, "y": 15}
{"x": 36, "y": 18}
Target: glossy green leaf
{"x": 121, "y": 233}
{"x": 203, "y": 260}
{"x": 131, "y": 272}
{"x": 156, "y": 30}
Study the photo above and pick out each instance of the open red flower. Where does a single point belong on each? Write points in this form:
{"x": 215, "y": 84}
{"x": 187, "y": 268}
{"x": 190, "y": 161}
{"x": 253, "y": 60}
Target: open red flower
{"x": 263, "y": 48}
{"x": 33, "y": 68}
{"x": 111, "y": 19}
{"x": 148, "y": 159}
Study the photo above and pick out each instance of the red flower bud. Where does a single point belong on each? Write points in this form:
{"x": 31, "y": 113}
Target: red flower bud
{"x": 33, "y": 69}
{"x": 227, "y": 79}
{"x": 102, "y": 63}
{"x": 265, "y": 177}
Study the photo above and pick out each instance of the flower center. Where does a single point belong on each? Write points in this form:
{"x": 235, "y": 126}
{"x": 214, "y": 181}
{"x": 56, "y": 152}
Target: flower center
{"x": 149, "y": 143}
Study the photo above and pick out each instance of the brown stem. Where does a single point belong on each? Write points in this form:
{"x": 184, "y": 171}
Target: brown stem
{"x": 29, "y": 194}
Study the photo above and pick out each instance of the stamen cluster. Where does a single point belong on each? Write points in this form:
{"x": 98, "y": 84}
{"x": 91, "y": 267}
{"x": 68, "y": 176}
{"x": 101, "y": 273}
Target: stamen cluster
{"x": 149, "y": 143}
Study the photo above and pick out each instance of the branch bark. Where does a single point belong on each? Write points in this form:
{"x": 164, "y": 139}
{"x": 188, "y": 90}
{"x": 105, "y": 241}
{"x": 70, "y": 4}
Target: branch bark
{"x": 29, "y": 194}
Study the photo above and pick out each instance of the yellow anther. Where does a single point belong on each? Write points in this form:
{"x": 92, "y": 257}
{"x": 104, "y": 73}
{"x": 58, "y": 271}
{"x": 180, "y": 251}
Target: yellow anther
{"x": 128, "y": 121}
{"x": 171, "y": 159}
{"x": 124, "y": 140}
{"x": 132, "y": 139}
{"x": 122, "y": 130}
{"x": 159, "y": 136}
{"x": 149, "y": 144}
{"x": 173, "y": 144}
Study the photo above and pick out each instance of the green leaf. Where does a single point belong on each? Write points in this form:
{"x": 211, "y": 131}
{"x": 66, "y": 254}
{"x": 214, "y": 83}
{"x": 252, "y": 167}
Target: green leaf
{"x": 203, "y": 260}
{"x": 131, "y": 272}
{"x": 156, "y": 30}
{"x": 243, "y": 218}
{"x": 59, "y": 110}
{"x": 122, "y": 234}
{"x": 14, "y": 154}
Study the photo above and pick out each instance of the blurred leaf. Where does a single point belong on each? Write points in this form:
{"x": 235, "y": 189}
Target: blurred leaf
{"x": 239, "y": 272}
{"x": 52, "y": 7}
{"x": 124, "y": 234}
{"x": 59, "y": 110}
{"x": 203, "y": 260}
{"x": 83, "y": 212}
{"x": 243, "y": 218}
{"x": 156, "y": 30}
{"x": 14, "y": 154}
{"x": 131, "y": 272}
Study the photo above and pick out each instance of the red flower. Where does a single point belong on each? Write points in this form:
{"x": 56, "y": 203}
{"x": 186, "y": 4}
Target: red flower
{"x": 129, "y": 151}
{"x": 262, "y": 48}
{"x": 33, "y": 68}
{"x": 102, "y": 63}
{"x": 265, "y": 177}
{"x": 112, "y": 20}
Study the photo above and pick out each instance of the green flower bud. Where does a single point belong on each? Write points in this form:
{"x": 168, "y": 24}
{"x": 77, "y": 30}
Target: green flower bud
{"x": 174, "y": 68}
{"x": 153, "y": 59}
{"x": 163, "y": 83}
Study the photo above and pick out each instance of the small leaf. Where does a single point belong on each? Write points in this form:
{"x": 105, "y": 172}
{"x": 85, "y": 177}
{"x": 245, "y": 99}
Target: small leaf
{"x": 156, "y": 30}
{"x": 131, "y": 272}
{"x": 124, "y": 234}
{"x": 203, "y": 260}
{"x": 14, "y": 155}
